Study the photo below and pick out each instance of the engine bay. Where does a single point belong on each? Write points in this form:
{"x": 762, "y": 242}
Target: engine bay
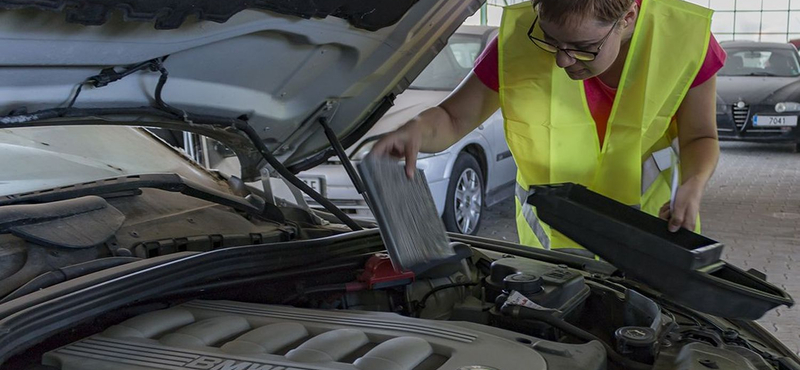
{"x": 492, "y": 311}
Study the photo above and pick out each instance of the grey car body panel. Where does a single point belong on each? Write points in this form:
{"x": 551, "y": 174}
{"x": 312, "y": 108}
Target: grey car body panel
{"x": 757, "y": 89}
{"x": 281, "y": 71}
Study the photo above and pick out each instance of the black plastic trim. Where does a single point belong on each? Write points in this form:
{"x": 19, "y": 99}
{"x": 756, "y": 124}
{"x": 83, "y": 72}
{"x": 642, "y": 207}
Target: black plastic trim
{"x": 549, "y": 256}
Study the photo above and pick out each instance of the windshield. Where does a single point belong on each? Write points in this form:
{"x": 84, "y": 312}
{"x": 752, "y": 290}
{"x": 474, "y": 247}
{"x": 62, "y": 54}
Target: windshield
{"x": 451, "y": 65}
{"x": 761, "y": 62}
{"x": 36, "y": 158}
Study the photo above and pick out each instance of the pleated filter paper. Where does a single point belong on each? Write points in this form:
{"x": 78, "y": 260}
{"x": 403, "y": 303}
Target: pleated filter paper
{"x": 410, "y": 226}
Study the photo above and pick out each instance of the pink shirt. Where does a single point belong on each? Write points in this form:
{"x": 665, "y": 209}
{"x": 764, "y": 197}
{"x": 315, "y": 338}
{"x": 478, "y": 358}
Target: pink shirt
{"x": 599, "y": 96}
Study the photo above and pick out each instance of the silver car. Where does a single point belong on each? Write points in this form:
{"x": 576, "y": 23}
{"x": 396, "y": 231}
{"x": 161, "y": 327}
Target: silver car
{"x": 475, "y": 172}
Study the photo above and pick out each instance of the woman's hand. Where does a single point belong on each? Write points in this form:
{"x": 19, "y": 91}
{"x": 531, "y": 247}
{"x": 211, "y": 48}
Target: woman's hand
{"x": 404, "y": 143}
{"x": 686, "y": 207}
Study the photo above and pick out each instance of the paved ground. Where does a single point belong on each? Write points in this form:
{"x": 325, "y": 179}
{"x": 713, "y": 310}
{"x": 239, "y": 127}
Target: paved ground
{"x": 752, "y": 205}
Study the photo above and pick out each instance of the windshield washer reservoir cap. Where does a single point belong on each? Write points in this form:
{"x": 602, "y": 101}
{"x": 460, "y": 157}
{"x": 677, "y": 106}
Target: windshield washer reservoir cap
{"x": 523, "y": 283}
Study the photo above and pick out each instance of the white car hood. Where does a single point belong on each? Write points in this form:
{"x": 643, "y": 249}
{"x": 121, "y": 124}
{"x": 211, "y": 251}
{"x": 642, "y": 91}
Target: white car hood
{"x": 282, "y": 72}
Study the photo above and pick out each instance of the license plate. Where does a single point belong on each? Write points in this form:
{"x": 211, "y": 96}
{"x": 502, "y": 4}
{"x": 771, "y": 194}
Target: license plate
{"x": 315, "y": 183}
{"x": 775, "y": 121}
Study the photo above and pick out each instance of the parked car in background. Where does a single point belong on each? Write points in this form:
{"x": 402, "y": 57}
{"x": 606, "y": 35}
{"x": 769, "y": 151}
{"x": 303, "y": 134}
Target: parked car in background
{"x": 758, "y": 93}
{"x": 474, "y": 173}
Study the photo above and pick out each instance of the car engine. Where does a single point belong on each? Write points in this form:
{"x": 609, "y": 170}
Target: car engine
{"x": 488, "y": 313}
{"x": 235, "y": 335}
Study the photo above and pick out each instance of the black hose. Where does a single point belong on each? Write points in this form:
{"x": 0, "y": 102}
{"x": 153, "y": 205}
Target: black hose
{"x": 251, "y": 134}
{"x": 66, "y": 273}
{"x": 526, "y": 313}
{"x": 421, "y": 304}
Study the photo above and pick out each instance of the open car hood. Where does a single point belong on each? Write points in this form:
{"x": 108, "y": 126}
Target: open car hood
{"x": 283, "y": 67}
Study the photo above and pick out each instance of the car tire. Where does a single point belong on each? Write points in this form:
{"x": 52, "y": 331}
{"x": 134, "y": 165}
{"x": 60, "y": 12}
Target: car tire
{"x": 465, "y": 193}
{"x": 797, "y": 147}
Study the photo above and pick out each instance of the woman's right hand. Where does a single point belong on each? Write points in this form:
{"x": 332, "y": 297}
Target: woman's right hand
{"x": 403, "y": 143}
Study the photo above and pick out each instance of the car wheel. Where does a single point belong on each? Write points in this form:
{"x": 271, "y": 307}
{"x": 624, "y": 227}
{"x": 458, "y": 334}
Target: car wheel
{"x": 462, "y": 213}
{"x": 797, "y": 147}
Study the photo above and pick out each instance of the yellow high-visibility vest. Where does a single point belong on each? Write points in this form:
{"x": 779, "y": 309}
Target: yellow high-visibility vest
{"x": 551, "y": 132}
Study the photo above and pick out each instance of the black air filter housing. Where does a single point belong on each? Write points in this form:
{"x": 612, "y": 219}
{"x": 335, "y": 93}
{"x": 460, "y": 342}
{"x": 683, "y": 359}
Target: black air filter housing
{"x": 684, "y": 266}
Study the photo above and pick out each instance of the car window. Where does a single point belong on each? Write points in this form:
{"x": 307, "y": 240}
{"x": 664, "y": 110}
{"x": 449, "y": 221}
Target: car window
{"x": 761, "y": 62}
{"x": 451, "y": 65}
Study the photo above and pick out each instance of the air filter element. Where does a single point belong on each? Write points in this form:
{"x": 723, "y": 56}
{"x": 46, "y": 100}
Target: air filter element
{"x": 409, "y": 223}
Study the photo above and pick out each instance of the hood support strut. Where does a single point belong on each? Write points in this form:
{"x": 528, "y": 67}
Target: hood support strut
{"x": 348, "y": 166}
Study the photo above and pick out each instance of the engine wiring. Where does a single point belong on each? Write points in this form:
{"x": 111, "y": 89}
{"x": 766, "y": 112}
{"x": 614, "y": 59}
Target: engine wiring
{"x": 418, "y": 306}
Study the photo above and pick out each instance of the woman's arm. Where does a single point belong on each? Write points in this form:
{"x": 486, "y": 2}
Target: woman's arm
{"x": 439, "y": 127}
{"x": 699, "y": 153}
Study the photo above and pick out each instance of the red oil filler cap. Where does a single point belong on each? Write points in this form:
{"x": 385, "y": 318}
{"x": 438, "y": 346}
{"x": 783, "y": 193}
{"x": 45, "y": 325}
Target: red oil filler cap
{"x": 379, "y": 273}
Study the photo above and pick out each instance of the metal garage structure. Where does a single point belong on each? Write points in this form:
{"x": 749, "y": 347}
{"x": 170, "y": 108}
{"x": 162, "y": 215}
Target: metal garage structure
{"x": 757, "y": 20}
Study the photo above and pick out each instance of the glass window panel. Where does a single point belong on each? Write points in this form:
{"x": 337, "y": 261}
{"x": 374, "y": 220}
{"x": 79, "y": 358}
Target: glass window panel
{"x": 794, "y": 4}
{"x": 746, "y": 37}
{"x": 748, "y": 22}
{"x": 494, "y": 15}
{"x": 772, "y": 22}
{"x": 728, "y": 4}
{"x": 723, "y": 37}
{"x": 776, "y": 4}
{"x": 748, "y": 4}
{"x": 722, "y": 22}
{"x": 451, "y": 65}
{"x": 474, "y": 20}
{"x": 773, "y": 38}
{"x": 754, "y": 60}
{"x": 794, "y": 21}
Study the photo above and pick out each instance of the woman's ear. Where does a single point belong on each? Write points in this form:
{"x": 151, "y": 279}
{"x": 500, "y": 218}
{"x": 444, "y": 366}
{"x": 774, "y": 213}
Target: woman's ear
{"x": 630, "y": 17}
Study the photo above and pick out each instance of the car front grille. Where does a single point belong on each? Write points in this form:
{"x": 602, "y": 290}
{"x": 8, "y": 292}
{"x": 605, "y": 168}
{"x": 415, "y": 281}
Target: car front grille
{"x": 740, "y": 115}
{"x": 743, "y": 118}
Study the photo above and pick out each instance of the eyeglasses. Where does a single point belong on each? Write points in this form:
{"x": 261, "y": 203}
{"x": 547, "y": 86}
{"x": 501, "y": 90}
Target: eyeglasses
{"x": 582, "y": 55}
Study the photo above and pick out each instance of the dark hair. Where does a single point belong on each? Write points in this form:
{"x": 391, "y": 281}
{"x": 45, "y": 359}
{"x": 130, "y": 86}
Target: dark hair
{"x": 563, "y": 11}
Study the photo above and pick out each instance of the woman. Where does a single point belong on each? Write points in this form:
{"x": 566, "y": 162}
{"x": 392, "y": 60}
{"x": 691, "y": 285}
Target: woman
{"x": 604, "y": 93}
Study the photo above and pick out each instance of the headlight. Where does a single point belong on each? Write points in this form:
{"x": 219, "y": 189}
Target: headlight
{"x": 787, "y": 107}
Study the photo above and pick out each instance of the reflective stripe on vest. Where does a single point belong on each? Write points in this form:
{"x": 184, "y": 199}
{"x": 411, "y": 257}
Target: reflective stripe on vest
{"x": 550, "y": 129}
{"x": 658, "y": 162}
{"x": 530, "y": 216}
